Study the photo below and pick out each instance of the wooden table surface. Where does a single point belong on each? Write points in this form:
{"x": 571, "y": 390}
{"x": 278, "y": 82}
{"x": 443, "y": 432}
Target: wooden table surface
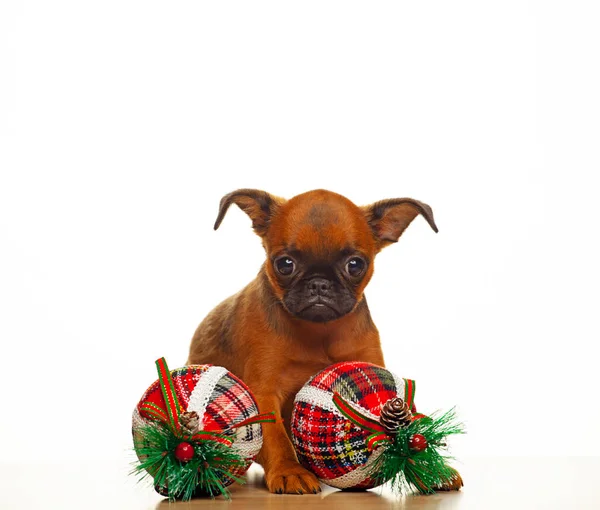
{"x": 490, "y": 483}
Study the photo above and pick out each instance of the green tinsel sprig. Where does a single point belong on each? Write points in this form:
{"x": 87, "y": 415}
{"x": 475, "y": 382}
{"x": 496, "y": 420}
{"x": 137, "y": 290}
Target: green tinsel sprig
{"x": 155, "y": 446}
{"x": 422, "y": 471}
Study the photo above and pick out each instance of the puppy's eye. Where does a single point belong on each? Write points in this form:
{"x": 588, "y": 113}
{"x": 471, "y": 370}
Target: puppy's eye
{"x": 285, "y": 266}
{"x": 355, "y": 266}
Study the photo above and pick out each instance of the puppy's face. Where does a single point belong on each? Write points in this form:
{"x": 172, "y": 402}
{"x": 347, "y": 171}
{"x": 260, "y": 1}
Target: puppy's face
{"x": 317, "y": 288}
{"x": 320, "y": 256}
{"x": 321, "y": 247}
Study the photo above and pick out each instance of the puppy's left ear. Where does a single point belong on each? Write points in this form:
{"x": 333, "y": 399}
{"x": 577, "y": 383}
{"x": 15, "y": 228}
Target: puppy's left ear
{"x": 389, "y": 218}
{"x": 257, "y": 204}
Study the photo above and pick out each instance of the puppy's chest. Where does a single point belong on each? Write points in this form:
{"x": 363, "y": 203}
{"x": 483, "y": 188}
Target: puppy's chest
{"x": 303, "y": 359}
{"x": 295, "y": 375}
{"x": 299, "y": 367}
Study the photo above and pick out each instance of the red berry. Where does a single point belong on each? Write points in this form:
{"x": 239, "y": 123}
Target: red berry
{"x": 417, "y": 442}
{"x": 184, "y": 452}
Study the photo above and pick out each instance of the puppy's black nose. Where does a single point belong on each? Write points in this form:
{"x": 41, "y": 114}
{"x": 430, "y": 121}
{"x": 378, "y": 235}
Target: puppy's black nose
{"x": 319, "y": 287}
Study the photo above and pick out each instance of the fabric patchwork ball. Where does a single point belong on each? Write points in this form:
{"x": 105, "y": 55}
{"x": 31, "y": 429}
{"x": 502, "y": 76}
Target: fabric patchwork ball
{"x": 355, "y": 426}
{"x": 326, "y": 442}
{"x": 196, "y": 430}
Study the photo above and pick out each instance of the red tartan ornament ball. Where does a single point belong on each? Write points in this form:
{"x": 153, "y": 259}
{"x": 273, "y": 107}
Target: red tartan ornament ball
{"x": 184, "y": 452}
{"x": 417, "y": 442}
{"x": 219, "y": 399}
{"x": 326, "y": 441}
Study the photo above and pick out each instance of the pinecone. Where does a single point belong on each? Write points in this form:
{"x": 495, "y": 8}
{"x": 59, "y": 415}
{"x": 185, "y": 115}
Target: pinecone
{"x": 395, "y": 414}
{"x": 189, "y": 422}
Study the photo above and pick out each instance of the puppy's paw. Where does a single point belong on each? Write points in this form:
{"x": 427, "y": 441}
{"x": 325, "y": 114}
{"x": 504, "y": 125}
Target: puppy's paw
{"x": 454, "y": 483}
{"x": 291, "y": 478}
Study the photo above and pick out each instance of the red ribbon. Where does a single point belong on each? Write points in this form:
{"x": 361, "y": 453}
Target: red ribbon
{"x": 378, "y": 434}
{"x": 168, "y": 391}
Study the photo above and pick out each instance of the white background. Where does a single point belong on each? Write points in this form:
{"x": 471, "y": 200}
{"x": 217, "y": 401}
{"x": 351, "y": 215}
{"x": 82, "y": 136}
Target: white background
{"x": 123, "y": 123}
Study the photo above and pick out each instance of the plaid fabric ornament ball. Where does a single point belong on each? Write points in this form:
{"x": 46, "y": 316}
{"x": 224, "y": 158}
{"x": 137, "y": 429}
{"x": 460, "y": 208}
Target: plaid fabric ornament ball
{"x": 196, "y": 430}
{"x": 327, "y": 442}
{"x": 355, "y": 426}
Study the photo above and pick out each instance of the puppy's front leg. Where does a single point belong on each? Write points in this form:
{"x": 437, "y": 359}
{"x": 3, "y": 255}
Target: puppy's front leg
{"x": 283, "y": 474}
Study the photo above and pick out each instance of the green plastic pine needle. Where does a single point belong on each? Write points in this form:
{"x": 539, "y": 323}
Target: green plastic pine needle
{"x": 212, "y": 463}
{"x": 421, "y": 471}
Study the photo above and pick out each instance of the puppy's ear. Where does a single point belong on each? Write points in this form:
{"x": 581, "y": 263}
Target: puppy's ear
{"x": 389, "y": 218}
{"x": 257, "y": 204}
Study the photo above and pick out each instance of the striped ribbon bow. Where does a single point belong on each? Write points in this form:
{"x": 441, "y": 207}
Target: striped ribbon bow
{"x": 174, "y": 410}
{"x": 379, "y": 435}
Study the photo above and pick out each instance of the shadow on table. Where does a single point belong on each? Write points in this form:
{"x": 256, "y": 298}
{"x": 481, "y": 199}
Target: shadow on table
{"x": 204, "y": 502}
{"x": 385, "y": 498}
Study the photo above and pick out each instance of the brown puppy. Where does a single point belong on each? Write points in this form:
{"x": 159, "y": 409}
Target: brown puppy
{"x": 305, "y": 310}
